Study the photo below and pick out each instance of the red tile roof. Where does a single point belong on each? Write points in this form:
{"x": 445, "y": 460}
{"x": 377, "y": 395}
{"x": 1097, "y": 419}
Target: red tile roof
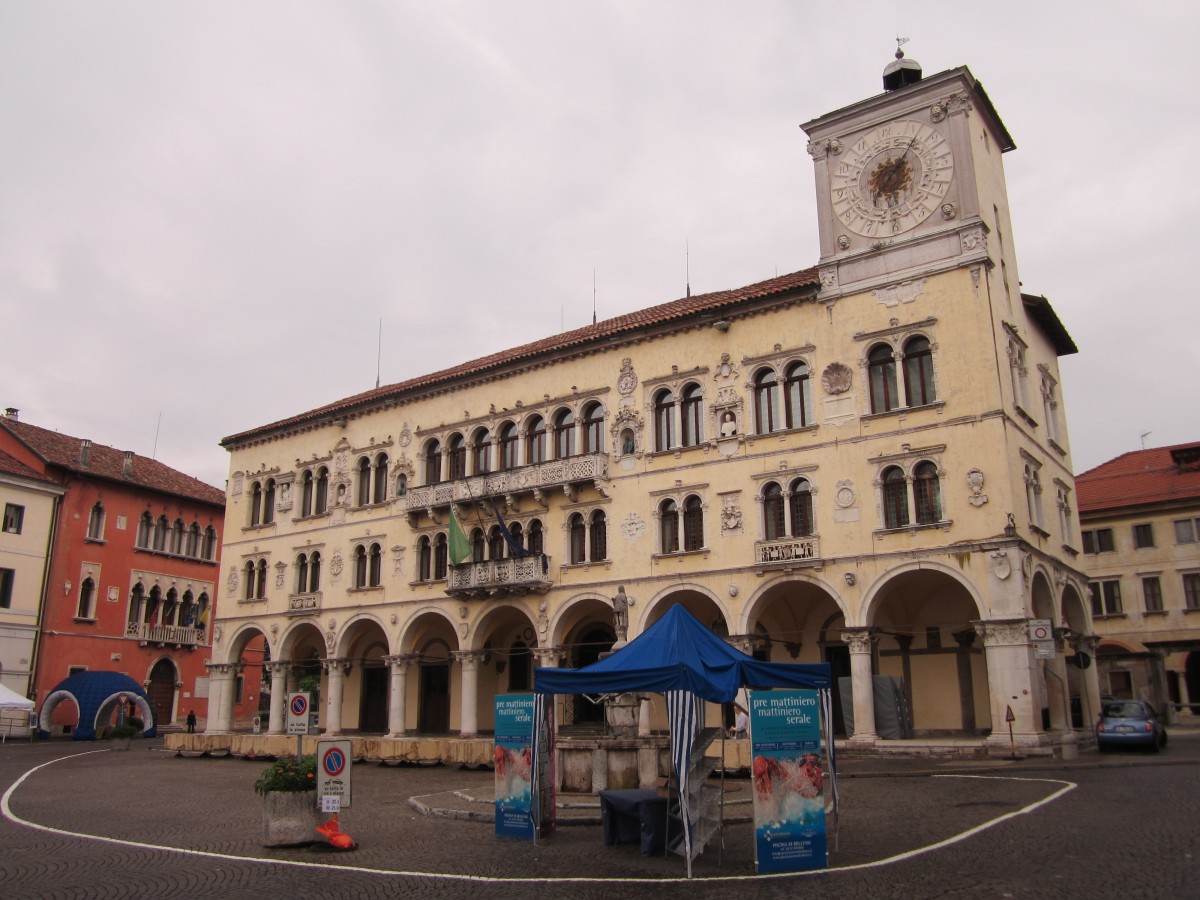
{"x": 10, "y": 465}
{"x": 1141, "y": 477}
{"x": 63, "y": 451}
{"x": 590, "y": 334}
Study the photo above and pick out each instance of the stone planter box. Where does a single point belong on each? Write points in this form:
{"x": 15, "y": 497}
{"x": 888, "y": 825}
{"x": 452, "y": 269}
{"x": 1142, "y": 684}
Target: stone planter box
{"x": 289, "y": 818}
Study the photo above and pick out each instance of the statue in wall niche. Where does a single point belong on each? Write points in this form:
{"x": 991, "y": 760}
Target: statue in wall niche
{"x": 728, "y": 424}
{"x": 621, "y": 603}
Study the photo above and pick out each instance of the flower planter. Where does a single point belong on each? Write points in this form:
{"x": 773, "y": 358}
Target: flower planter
{"x": 289, "y": 818}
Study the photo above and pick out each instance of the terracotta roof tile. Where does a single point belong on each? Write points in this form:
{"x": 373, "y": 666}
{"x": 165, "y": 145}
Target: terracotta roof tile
{"x": 10, "y": 465}
{"x": 1141, "y": 477}
{"x": 106, "y": 462}
{"x": 580, "y": 337}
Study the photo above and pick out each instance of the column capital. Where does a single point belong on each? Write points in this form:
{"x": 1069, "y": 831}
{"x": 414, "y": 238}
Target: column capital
{"x": 1003, "y": 632}
{"x": 549, "y": 657}
{"x": 400, "y": 662}
{"x": 859, "y": 640}
{"x": 224, "y": 668}
{"x": 337, "y": 664}
{"x": 278, "y": 666}
{"x": 468, "y": 659}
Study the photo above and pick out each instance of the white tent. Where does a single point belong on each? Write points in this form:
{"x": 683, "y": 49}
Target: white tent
{"x": 10, "y": 699}
{"x": 14, "y": 713}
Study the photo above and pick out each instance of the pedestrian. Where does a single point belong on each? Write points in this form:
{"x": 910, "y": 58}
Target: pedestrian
{"x": 741, "y": 723}
{"x": 191, "y": 721}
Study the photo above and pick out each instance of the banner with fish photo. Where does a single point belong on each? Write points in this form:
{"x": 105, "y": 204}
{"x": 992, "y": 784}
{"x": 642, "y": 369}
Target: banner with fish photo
{"x": 788, "y": 770}
{"x": 514, "y": 762}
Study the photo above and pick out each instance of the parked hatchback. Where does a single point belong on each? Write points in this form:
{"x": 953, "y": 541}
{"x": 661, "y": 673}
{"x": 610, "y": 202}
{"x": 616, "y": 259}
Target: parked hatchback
{"x": 1130, "y": 723}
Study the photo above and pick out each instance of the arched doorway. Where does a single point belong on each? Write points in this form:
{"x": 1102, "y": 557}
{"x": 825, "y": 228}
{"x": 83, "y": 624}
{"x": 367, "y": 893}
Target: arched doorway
{"x": 433, "y": 712}
{"x": 161, "y": 692}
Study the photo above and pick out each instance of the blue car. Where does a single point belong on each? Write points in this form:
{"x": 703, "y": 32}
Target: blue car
{"x": 1130, "y": 723}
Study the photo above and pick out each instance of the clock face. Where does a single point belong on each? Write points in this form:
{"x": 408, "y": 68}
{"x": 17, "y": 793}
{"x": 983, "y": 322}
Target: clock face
{"x": 891, "y": 179}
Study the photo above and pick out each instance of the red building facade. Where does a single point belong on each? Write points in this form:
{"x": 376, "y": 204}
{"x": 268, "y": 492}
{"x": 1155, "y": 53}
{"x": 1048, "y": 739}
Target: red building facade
{"x": 133, "y": 573}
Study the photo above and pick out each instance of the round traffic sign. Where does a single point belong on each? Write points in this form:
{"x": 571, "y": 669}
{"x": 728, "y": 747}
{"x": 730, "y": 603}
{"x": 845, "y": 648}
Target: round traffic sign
{"x": 334, "y": 761}
{"x": 299, "y": 705}
{"x": 1041, "y": 633}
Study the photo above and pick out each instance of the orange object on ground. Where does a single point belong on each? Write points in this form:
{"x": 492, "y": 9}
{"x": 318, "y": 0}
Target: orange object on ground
{"x": 335, "y": 835}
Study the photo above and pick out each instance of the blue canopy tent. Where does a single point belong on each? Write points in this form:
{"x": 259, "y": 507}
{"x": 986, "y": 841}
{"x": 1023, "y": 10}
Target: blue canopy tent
{"x": 679, "y": 657}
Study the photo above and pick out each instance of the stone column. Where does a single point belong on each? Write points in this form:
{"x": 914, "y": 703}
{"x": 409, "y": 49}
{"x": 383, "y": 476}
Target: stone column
{"x": 862, "y": 682}
{"x": 221, "y": 696}
{"x": 397, "y": 706}
{"x": 1009, "y": 658}
{"x": 1087, "y": 643}
{"x": 468, "y": 661}
{"x": 279, "y": 672}
{"x": 335, "y": 670}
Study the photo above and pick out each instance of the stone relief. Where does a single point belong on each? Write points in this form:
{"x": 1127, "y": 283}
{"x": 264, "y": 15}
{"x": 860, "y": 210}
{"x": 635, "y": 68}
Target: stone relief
{"x": 405, "y": 435}
{"x": 836, "y": 378}
{"x": 280, "y": 569}
{"x": 726, "y": 369}
{"x": 336, "y": 563}
{"x": 973, "y": 239}
{"x": 633, "y": 527}
{"x": 949, "y": 211}
{"x": 627, "y": 380}
{"x": 237, "y": 484}
{"x": 1001, "y": 565}
{"x": 231, "y": 583}
{"x": 975, "y": 483}
{"x": 397, "y": 559}
{"x": 731, "y": 515}
{"x": 844, "y": 495}
{"x": 904, "y": 292}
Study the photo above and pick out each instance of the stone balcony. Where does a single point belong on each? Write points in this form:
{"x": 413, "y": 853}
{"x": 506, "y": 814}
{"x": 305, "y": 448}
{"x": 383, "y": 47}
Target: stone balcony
{"x": 536, "y": 480}
{"x": 498, "y": 578}
{"x": 788, "y": 552}
{"x": 180, "y": 635}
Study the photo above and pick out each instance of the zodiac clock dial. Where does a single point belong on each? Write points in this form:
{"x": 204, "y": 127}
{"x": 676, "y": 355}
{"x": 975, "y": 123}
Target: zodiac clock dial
{"x": 891, "y": 179}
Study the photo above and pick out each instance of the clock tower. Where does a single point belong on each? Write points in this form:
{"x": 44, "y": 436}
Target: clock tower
{"x": 907, "y": 181}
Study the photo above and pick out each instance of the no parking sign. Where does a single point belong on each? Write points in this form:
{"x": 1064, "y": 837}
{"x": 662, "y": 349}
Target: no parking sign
{"x": 333, "y": 771}
{"x": 297, "y": 713}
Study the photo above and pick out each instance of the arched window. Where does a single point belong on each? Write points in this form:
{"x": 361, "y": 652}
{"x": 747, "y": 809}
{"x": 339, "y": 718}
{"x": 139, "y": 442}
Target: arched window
{"x": 693, "y": 524}
{"x": 306, "y": 493}
{"x": 301, "y": 574}
{"x": 375, "y": 566}
{"x": 593, "y": 424}
{"x": 268, "y": 513}
{"x": 261, "y": 586}
{"x": 668, "y": 514}
{"x": 456, "y": 451}
{"x": 202, "y": 614}
{"x": 535, "y": 441}
{"x": 176, "y": 546}
{"x": 440, "y": 556}
{"x": 881, "y": 376}
{"x": 193, "y": 541}
{"x": 210, "y": 543}
{"x": 927, "y": 494}
{"x": 797, "y": 397}
{"x": 381, "y": 478}
{"x": 895, "y": 498}
{"x": 321, "y": 503}
{"x": 483, "y": 452}
{"x": 537, "y": 542}
{"x": 256, "y": 504}
{"x": 578, "y": 538}
{"x": 95, "y": 529}
{"x": 424, "y": 559}
{"x": 918, "y": 372}
{"x": 145, "y": 531}
{"x": 664, "y": 420}
{"x": 152, "y": 603}
{"x": 564, "y": 434}
{"x": 433, "y": 462}
{"x": 690, "y": 412}
{"x": 137, "y": 597}
{"x": 360, "y": 566}
{"x": 495, "y": 543}
{"x": 766, "y": 402}
{"x": 801, "y": 509}
{"x": 773, "y": 511}
{"x": 170, "y": 608}
{"x": 161, "y": 527}
{"x": 364, "y": 481}
{"x": 478, "y": 546}
{"x": 248, "y": 594}
{"x": 87, "y": 597}
{"x": 314, "y": 572}
{"x": 599, "y": 536}
{"x": 187, "y": 610}
{"x": 508, "y": 446}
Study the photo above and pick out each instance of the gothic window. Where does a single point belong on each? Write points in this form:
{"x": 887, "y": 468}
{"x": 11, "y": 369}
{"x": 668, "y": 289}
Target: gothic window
{"x": 248, "y": 577}
{"x": 881, "y": 378}
{"x": 95, "y": 529}
{"x": 517, "y": 534}
{"x": 202, "y": 614}
{"x": 895, "y": 498}
{"x": 193, "y": 541}
{"x": 364, "y": 481}
{"x": 508, "y": 446}
{"x": 176, "y": 546}
{"x": 360, "y": 566}
{"x": 593, "y": 424}
{"x": 170, "y": 608}
{"x": 478, "y": 546}
{"x": 918, "y": 372}
{"x": 321, "y": 501}
{"x": 766, "y": 402}
{"x": 375, "y": 566}
{"x": 210, "y": 543}
{"x": 87, "y": 599}
{"x": 314, "y": 572}
{"x": 599, "y": 536}
{"x": 424, "y": 559}
{"x": 145, "y": 531}
{"x": 537, "y": 540}
{"x": 483, "y": 452}
{"x": 693, "y": 524}
{"x": 301, "y": 574}
{"x": 690, "y": 411}
{"x": 1033, "y": 493}
{"x": 456, "y": 456}
{"x": 495, "y": 543}
{"x": 668, "y": 513}
{"x": 433, "y": 462}
{"x": 797, "y": 396}
{"x": 535, "y": 441}
{"x": 161, "y": 527}
{"x": 800, "y": 506}
{"x": 268, "y": 513}
{"x": 256, "y": 504}
{"x": 381, "y": 479}
{"x": 137, "y": 598}
{"x": 927, "y": 493}
{"x": 440, "y": 556}
{"x": 306, "y": 493}
{"x": 152, "y": 607}
{"x": 773, "y": 511}
{"x": 578, "y": 538}
{"x": 261, "y": 580}
{"x": 564, "y": 434}
{"x": 664, "y": 420}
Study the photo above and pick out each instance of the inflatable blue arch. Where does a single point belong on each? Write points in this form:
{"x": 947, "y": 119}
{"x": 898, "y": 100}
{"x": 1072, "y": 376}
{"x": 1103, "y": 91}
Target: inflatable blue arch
{"x": 96, "y": 695}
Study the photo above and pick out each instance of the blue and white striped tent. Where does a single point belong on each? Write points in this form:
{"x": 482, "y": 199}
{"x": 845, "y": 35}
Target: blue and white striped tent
{"x": 679, "y": 657}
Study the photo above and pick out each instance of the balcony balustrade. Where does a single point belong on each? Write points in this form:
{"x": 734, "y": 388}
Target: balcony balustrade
{"x": 498, "y": 577}
{"x": 182, "y": 635}
{"x": 787, "y": 552}
{"x": 534, "y": 479}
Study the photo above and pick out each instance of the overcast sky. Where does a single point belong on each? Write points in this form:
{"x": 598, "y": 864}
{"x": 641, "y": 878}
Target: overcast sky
{"x": 206, "y": 209}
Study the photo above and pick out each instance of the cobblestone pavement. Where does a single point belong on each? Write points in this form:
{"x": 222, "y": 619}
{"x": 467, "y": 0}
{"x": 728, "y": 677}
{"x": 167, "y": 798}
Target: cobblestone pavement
{"x": 85, "y": 821}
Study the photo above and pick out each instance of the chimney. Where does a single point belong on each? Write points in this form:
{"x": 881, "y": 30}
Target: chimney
{"x": 127, "y": 469}
{"x": 12, "y": 413}
{"x": 85, "y": 452}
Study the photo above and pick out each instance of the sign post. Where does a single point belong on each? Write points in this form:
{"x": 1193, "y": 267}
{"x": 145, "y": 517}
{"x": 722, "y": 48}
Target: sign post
{"x": 1041, "y": 635}
{"x": 333, "y": 774}
{"x": 297, "y": 718}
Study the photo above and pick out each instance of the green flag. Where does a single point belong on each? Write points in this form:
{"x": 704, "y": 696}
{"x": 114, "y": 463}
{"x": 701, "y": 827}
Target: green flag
{"x": 460, "y": 547}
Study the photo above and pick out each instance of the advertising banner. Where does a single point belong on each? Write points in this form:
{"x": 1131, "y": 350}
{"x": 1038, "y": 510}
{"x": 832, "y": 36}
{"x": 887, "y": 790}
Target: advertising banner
{"x": 513, "y": 760}
{"x": 788, "y": 771}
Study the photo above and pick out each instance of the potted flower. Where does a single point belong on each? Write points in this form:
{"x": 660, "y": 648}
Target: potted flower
{"x": 289, "y": 790}
{"x": 121, "y": 735}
